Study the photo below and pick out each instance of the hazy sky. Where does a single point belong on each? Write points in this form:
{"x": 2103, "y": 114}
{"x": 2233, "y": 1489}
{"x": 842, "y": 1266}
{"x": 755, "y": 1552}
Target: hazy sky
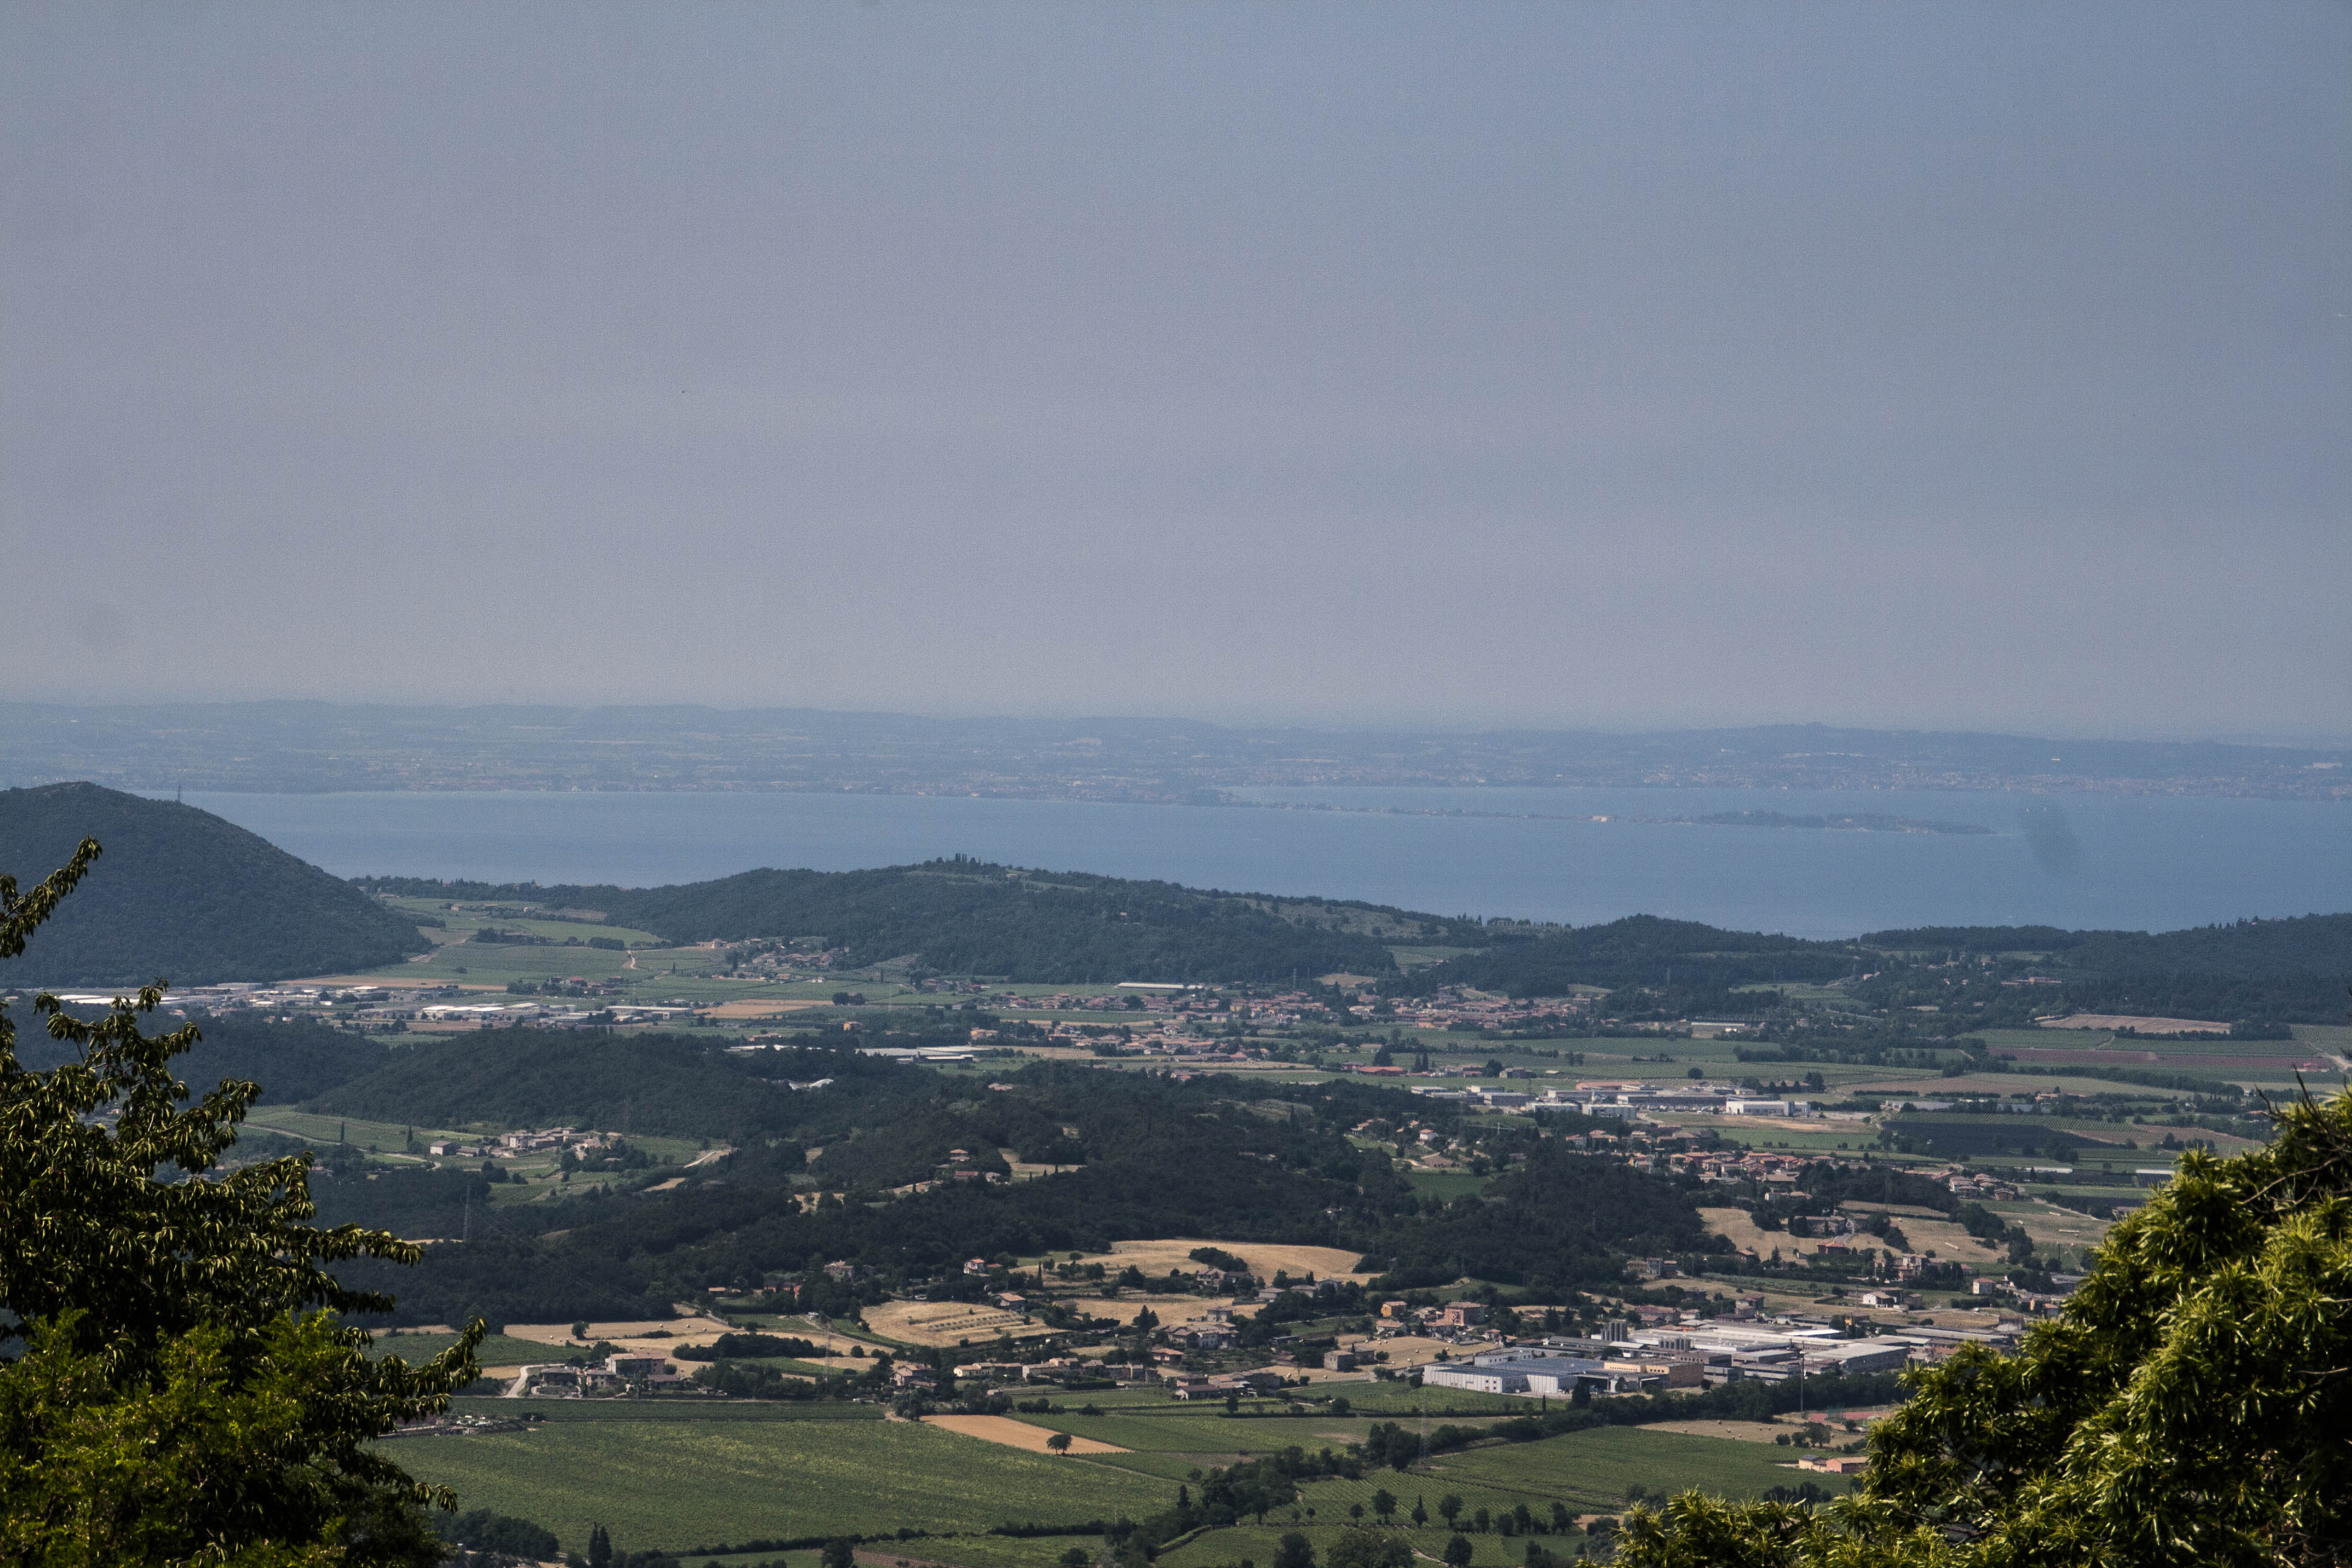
{"x": 1627, "y": 365}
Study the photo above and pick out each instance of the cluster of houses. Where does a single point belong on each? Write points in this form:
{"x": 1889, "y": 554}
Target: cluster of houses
{"x": 489, "y": 1014}
{"x": 528, "y": 1142}
{"x": 614, "y": 1374}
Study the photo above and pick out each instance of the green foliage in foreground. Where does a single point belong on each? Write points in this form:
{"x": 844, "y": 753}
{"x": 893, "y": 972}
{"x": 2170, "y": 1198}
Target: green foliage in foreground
{"x": 186, "y": 1395}
{"x": 2189, "y": 1408}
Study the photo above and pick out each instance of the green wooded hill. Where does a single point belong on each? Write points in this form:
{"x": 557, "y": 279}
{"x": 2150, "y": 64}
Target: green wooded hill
{"x": 2292, "y": 971}
{"x": 969, "y": 917}
{"x": 183, "y": 894}
{"x": 1210, "y": 1156}
{"x": 1639, "y": 951}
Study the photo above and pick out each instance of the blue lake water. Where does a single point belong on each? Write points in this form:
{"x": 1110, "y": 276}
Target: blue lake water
{"x": 2081, "y": 861}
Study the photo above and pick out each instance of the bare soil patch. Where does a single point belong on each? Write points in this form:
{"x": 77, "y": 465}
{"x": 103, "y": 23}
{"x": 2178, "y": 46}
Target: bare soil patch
{"x": 1015, "y": 1434}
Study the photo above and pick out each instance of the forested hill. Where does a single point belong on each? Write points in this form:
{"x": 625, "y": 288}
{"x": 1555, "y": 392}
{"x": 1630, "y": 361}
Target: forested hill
{"x": 969, "y": 917}
{"x": 1210, "y": 1156}
{"x": 181, "y": 893}
{"x": 1639, "y": 950}
{"x": 2292, "y": 970}
{"x": 2280, "y": 971}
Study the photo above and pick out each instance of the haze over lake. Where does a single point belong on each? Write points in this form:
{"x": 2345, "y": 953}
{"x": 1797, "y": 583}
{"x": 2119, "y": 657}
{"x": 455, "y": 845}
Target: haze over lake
{"x": 2081, "y": 861}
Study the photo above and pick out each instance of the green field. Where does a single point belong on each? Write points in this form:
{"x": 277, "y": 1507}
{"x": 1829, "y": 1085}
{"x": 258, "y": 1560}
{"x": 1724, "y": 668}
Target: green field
{"x": 1257, "y": 1544}
{"x": 554, "y": 1411}
{"x": 679, "y": 1482}
{"x": 391, "y": 1137}
{"x": 675, "y": 1474}
{"x": 1447, "y": 1186}
{"x": 461, "y": 923}
{"x": 1392, "y": 1400}
{"x": 1587, "y": 1471}
{"x": 1591, "y": 1470}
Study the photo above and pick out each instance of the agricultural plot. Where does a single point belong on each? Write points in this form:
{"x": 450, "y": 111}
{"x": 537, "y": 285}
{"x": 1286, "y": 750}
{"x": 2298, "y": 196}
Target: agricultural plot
{"x": 1392, "y": 1400}
{"x": 460, "y": 922}
{"x": 1258, "y": 1544}
{"x": 1335, "y": 1499}
{"x": 1591, "y": 1470}
{"x": 496, "y": 1350}
{"x": 1014, "y": 1434}
{"x": 1738, "y": 1227}
{"x": 676, "y": 1482}
{"x": 2054, "y": 1228}
{"x": 1187, "y": 1434}
{"x": 1446, "y": 1186}
{"x": 324, "y": 1129}
{"x": 707, "y": 1411}
{"x": 947, "y": 1325}
{"x": 1831, "y": 1138}
{"x": 1266, "y": 1259}
{"x": 1930, "y": 1232}
{"x": 973, "y": 1550}
{"x": 476, "y": 964}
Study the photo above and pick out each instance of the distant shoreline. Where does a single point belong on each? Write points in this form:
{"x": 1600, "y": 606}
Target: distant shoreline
{"x": 1856, "y": 822}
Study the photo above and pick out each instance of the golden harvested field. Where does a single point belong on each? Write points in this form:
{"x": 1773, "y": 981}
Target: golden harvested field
{"x": 942, "y": 1325}
{"x": 1941, "y": 1236}
{"x": 655, "y": 1337}
{"x": 689, "y": 1330}
{"x": 2142, "y": 1025}
{"x": 1014, "y": 1434}
{"x": 1167, "y": 1309}
{"x": 1266, "y": 1259}
{"x": 1413, "y": 1350}
{"x": 1740, "y": 1229}
{"x": 768, "y": 1009}
{"x": 2052, "y": 1227}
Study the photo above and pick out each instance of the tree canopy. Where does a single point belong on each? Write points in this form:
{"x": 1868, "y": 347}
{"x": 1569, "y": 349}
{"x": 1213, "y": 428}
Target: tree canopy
{"x": 186, "y": 1390}
{"x": 189, "y": 895}
{"x": 2191, "y": 1406}
{"x": 970, "y": 917}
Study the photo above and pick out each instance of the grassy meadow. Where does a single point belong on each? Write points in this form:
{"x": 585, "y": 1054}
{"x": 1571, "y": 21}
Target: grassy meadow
{"x": 675, "y": 1474}
{"x": 680, "y": 1481}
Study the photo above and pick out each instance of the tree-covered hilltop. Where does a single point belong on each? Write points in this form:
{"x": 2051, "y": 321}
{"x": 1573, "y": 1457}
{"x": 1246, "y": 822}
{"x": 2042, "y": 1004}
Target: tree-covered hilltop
{"x": 2291, "y": 970}
{"x": 182, "y": 894}
{"x": 2272, "y": 972}
{"x": 969, "y": 917}
{"x": 1638, "y": 951}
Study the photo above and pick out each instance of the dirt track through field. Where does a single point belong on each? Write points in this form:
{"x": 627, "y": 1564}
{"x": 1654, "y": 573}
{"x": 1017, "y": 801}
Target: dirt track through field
{"x": 1014, "y": 1434}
